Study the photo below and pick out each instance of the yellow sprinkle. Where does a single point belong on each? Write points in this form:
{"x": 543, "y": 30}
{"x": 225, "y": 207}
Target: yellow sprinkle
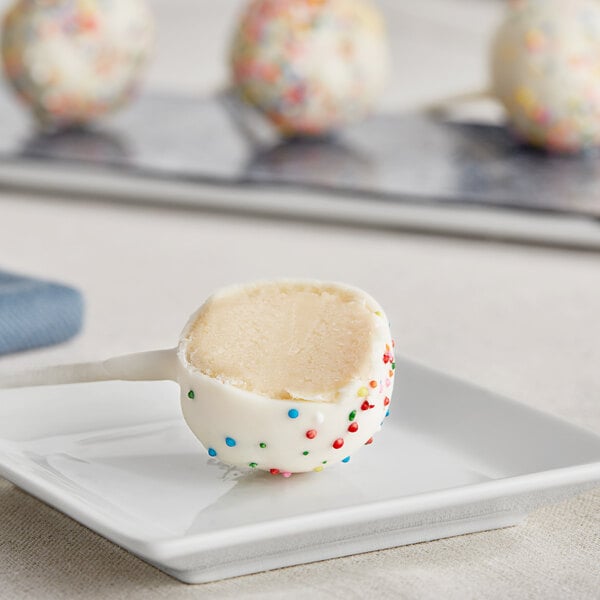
{"x": 317, "y": 469}
{"x": 363, "y": 391}
{"x": 378, "y": 313}
{"x": 525, "y": 97}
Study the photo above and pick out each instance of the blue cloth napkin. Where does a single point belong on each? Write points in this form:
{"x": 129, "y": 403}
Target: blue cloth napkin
{"x": 36, "y": 313}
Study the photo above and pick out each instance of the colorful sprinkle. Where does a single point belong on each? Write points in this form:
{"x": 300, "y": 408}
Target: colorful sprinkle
{"x": 191, "y": 394}
{"x": 212, "y": 452}
{"x": 386, "y": 401}
{"x": 369, "y": 441}
{"x": 365, "y": 405}
{"x": 388, "y": 383}
{"x": 274, "y": 471}
{"x": 286, "y": 474}
{"x": 230, "y": 442}
{"x": 262, "y": 445}
{"x": 317, "y": 469}
{"x": 387, "y": 414}
{"x": 253, "y": 465}
{"x": 338, "y": 443}
{"x": 362, "y": 392}
{"x": 353, "y": 427}
{"x": 393, "y": 366}
{"x": 311, "y": 434}
{"x": 345, "y": 460}
{"x": 306, "y": 453}
{"x": 293, "y": 413}
{"x": 352, "y": 416}
{"x": 324, "y": 462}
{"x": 373, "y": 383}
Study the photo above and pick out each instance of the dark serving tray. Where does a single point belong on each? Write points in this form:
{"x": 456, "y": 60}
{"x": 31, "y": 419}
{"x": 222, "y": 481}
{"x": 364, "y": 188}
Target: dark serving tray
{"x": 394, "y": 170}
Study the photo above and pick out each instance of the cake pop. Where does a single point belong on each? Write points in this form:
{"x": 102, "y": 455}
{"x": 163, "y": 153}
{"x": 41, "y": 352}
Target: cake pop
{"x": 282, "y": 376}
{"x": 71, "y": 61}
{"x": 310, "y": 66}
{"x": 546, "y": 72}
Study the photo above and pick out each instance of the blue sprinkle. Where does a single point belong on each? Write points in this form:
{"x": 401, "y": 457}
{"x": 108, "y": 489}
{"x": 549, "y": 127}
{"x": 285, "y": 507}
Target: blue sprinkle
{"x": 387, "y": 414}
{"x": 293, "y": 413}
{"x": 347, "y": 459}
{"x": 212, "y": 452}
{"x": 230, "y": 442}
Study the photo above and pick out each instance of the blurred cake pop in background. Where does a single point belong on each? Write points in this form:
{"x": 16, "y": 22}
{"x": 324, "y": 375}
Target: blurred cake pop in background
{"x": 71, "y": 61}
{"x": 311, "y": 66}
{"x": 546, "y": 72}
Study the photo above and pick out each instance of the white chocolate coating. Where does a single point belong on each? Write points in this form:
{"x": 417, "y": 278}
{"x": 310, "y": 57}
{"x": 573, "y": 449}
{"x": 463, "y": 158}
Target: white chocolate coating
{"x": 247, "y": 429}
{"x": 310, "y": 67}
{"x": 545, "y": 71}
{"x": 72, "y": 61}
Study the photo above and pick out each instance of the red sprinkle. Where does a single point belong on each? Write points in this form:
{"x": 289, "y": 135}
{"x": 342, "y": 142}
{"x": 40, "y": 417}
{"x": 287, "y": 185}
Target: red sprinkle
{"x": 373, "y": 383}
{"x": 338, "y": 443}
{"x": 369, "y": 441}
{"x": 353, "y": 427}
{"x": 386, "y": 401}
{"x": 274, "y": 471}
{"x": 365, "y": 405}
{"x": 311, "y": 434}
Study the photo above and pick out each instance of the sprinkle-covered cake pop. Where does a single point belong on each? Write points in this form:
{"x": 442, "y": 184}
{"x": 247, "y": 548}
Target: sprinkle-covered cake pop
{"x": 546, "y": 72}
{"x": 71, "y": 61}
{"x": 310, "y": 66}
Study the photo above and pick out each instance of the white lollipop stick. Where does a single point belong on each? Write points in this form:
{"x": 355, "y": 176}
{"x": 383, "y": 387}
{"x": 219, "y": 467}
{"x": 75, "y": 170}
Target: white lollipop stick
{"x": 142, "y": 366}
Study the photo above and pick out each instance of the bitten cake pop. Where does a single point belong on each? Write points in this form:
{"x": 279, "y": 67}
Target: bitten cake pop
{"x": 311, "y": 66}
{"x": 312, "y": 367}
{"x": 282, "y": 376}
{"x": 71, "y": 61}
{"x": 546, "y": 72}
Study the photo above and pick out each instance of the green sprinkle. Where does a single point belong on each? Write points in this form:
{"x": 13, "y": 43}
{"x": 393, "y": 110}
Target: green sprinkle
{"x": 352, "y": 416}
{"x": 305, "y": 453}
{"x": 324, "y": 462}
{"x": 393, "y": 366}
{"x": 191, "y": 395}
{"x": 262, "y": 445}
{"x": 253, "y": 465}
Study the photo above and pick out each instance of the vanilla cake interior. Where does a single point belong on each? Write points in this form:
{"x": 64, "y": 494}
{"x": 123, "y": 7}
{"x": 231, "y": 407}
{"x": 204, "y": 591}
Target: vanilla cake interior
{"x": 284, "y": 340}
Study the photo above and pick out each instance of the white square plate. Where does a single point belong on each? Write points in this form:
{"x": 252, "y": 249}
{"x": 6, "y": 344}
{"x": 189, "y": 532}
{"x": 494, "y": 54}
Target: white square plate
{"x": 452, "y": 459}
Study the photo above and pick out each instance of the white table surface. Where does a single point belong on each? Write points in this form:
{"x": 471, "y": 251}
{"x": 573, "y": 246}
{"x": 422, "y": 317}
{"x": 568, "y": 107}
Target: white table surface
{"x": 521, "y": 320}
